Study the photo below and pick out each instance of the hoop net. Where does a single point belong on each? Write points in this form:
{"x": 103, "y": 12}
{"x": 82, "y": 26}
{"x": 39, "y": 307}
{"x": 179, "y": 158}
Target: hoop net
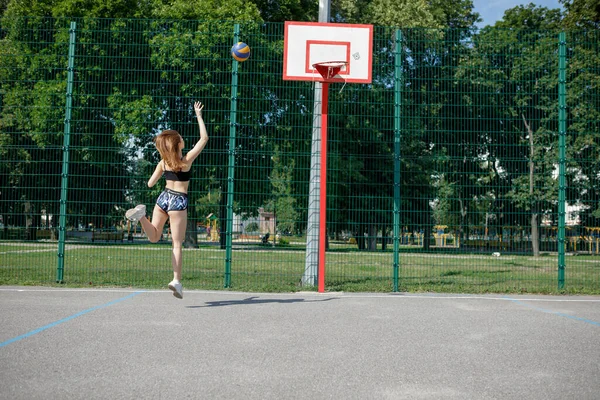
{"x": 329, "y": 69}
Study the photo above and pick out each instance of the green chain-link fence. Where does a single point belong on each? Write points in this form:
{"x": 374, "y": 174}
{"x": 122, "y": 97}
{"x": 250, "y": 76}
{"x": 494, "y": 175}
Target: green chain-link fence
{"x": 471, "y": 163}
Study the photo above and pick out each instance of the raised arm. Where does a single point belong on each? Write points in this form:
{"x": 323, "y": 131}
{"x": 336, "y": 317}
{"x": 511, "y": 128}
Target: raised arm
{"x": 197, "y": 149}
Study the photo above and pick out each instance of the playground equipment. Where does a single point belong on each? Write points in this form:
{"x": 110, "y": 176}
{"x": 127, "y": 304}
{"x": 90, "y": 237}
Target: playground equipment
{"x": 592, "y": 238}
{"x": 212, "y": 228}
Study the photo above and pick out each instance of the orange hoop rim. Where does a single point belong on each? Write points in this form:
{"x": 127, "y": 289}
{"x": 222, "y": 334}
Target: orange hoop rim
{"x": 330, "y": 64}
{"x": 329, "y": 69}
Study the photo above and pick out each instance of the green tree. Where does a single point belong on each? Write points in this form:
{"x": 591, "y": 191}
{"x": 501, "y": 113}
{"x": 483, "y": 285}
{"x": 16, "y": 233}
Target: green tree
{"x": 581, "y": 14}
{"x": 582, "y": 19}
{"x": 429, "y": 56}
{"x": 288, "y": 10}
{"x": 407, "y": 14}
{"x": 3, "y": 6}
{"x": 206, "y": 10}
{"x": 282, "y": 204}
{"x": 77, "y": 8}
{"x": 119, "y": 97}
{"x": 32, "y": 83}
{"x": 514, "y": 62}
{"x": 444, "y": 209}
{"x": 41, "y": 42}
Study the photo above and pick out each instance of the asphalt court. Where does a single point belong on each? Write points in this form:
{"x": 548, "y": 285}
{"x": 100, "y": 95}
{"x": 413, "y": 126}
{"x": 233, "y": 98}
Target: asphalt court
{"x": 60, "y": 343}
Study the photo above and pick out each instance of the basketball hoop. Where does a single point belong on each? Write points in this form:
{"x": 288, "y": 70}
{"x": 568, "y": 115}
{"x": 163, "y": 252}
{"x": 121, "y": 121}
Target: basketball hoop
{"x": 309, "y": 49}
{"x": 329, "y": 69}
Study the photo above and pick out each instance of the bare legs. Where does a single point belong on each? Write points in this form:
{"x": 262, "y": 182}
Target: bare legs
{"x": 154, "y": 229}
{"x": 178, "y": 227}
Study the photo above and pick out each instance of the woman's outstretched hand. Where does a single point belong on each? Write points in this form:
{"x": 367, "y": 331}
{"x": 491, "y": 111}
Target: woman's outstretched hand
{"x": 198, "y": 106}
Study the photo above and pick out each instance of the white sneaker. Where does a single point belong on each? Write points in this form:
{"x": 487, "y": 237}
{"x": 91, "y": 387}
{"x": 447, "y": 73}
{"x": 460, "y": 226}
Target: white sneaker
{"x": 177, "y": 289}
{"x": 135, "y": 214}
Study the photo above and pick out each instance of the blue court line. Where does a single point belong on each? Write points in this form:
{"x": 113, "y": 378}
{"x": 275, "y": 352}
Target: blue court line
{"x": 587, "y": 321}
{"x": 60, "y": 321}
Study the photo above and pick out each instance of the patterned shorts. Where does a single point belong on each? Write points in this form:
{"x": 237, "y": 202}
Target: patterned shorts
{"x": 170, "y": 200}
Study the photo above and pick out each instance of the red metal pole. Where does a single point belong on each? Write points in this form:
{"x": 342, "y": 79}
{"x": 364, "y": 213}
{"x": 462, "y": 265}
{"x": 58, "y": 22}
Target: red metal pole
{"x": 323, "y": 187}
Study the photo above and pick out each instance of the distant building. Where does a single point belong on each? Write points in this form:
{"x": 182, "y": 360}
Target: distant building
{"x": 266, "y": 222}
{"x": 572, "y": 212}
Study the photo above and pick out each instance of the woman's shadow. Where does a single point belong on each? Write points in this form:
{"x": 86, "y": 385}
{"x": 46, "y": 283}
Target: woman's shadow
{"x": 257, "y": 300}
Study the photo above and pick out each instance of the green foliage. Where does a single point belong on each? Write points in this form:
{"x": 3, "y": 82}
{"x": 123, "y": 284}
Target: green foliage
{"x": 582, "y": 14}
{"x": 583, "y": 106}
{"x": 78, "y": 8}
{"x": 407, "y": 14}
{"x": 515, "y": 72}
{"x": 208, "y": 204}
{"x": 530, "y": 17}
{"x": 133, "y": 117}
{"x": 456, "y": 14}
{"x": 287, "y": 10}
{"x": 446, "y": 209}
{"x": 3, "y": 5}
{"x": 100, "y": 9}
{"x": 283, "y": 204}
{"x": 478, "y": 110}
{"x": 234, "y": 10}
{"x": 33, "y": 8}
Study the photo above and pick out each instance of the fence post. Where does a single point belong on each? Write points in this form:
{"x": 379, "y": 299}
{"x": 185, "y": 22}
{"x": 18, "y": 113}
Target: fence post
{"x": 562, "y": 133}
{"x": 62, "y": 221}
{"x": 397, "y": 125}
{"x": 231, "y": 166}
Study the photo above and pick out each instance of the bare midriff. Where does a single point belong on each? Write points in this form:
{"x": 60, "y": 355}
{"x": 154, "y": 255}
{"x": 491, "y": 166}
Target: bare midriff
{"x": 178, "y": 186}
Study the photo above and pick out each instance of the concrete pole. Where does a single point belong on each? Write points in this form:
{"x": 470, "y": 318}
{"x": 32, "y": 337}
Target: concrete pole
{"x": 312, "y": 228}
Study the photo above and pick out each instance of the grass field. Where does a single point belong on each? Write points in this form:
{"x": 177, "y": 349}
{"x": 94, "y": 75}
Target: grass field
{"x": 280, "y": 270}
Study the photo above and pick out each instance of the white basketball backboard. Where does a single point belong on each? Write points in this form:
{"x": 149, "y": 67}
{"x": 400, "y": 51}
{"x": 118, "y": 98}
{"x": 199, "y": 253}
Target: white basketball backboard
{"x": 310, "y": 43}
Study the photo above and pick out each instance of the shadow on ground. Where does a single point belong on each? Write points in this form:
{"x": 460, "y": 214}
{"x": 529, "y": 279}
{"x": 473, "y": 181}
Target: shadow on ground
{"x": 256, "y": 300}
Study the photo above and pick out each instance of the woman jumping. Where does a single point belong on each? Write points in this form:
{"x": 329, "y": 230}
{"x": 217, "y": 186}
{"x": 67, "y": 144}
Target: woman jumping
{"x": 173, "y": 202}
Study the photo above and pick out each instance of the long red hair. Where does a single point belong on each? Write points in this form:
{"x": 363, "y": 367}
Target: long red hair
{"x": 167, "y": 143}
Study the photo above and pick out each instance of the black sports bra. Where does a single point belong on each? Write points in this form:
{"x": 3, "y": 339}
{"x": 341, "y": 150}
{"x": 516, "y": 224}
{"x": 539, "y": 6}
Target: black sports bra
{"x": 182, "y": 176}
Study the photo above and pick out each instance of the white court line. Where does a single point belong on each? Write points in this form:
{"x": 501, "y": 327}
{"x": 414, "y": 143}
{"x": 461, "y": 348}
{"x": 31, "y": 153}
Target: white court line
{"x": 586, "y": 261}
{"x": 400, "y": 296}
{"x": 28, "y": 251}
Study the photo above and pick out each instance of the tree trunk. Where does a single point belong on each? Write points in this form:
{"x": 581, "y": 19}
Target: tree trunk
{"x": 463, "y": 216}
{"x": 372, "y": 237}
{"x": 191, "y": 235}
{"x": 223, "y": 220}
{"x": 360, "y": 240}
{"x": 36, "y": 223}
{"x": 426, "y": 236}
{"x": 535, "y": 236}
